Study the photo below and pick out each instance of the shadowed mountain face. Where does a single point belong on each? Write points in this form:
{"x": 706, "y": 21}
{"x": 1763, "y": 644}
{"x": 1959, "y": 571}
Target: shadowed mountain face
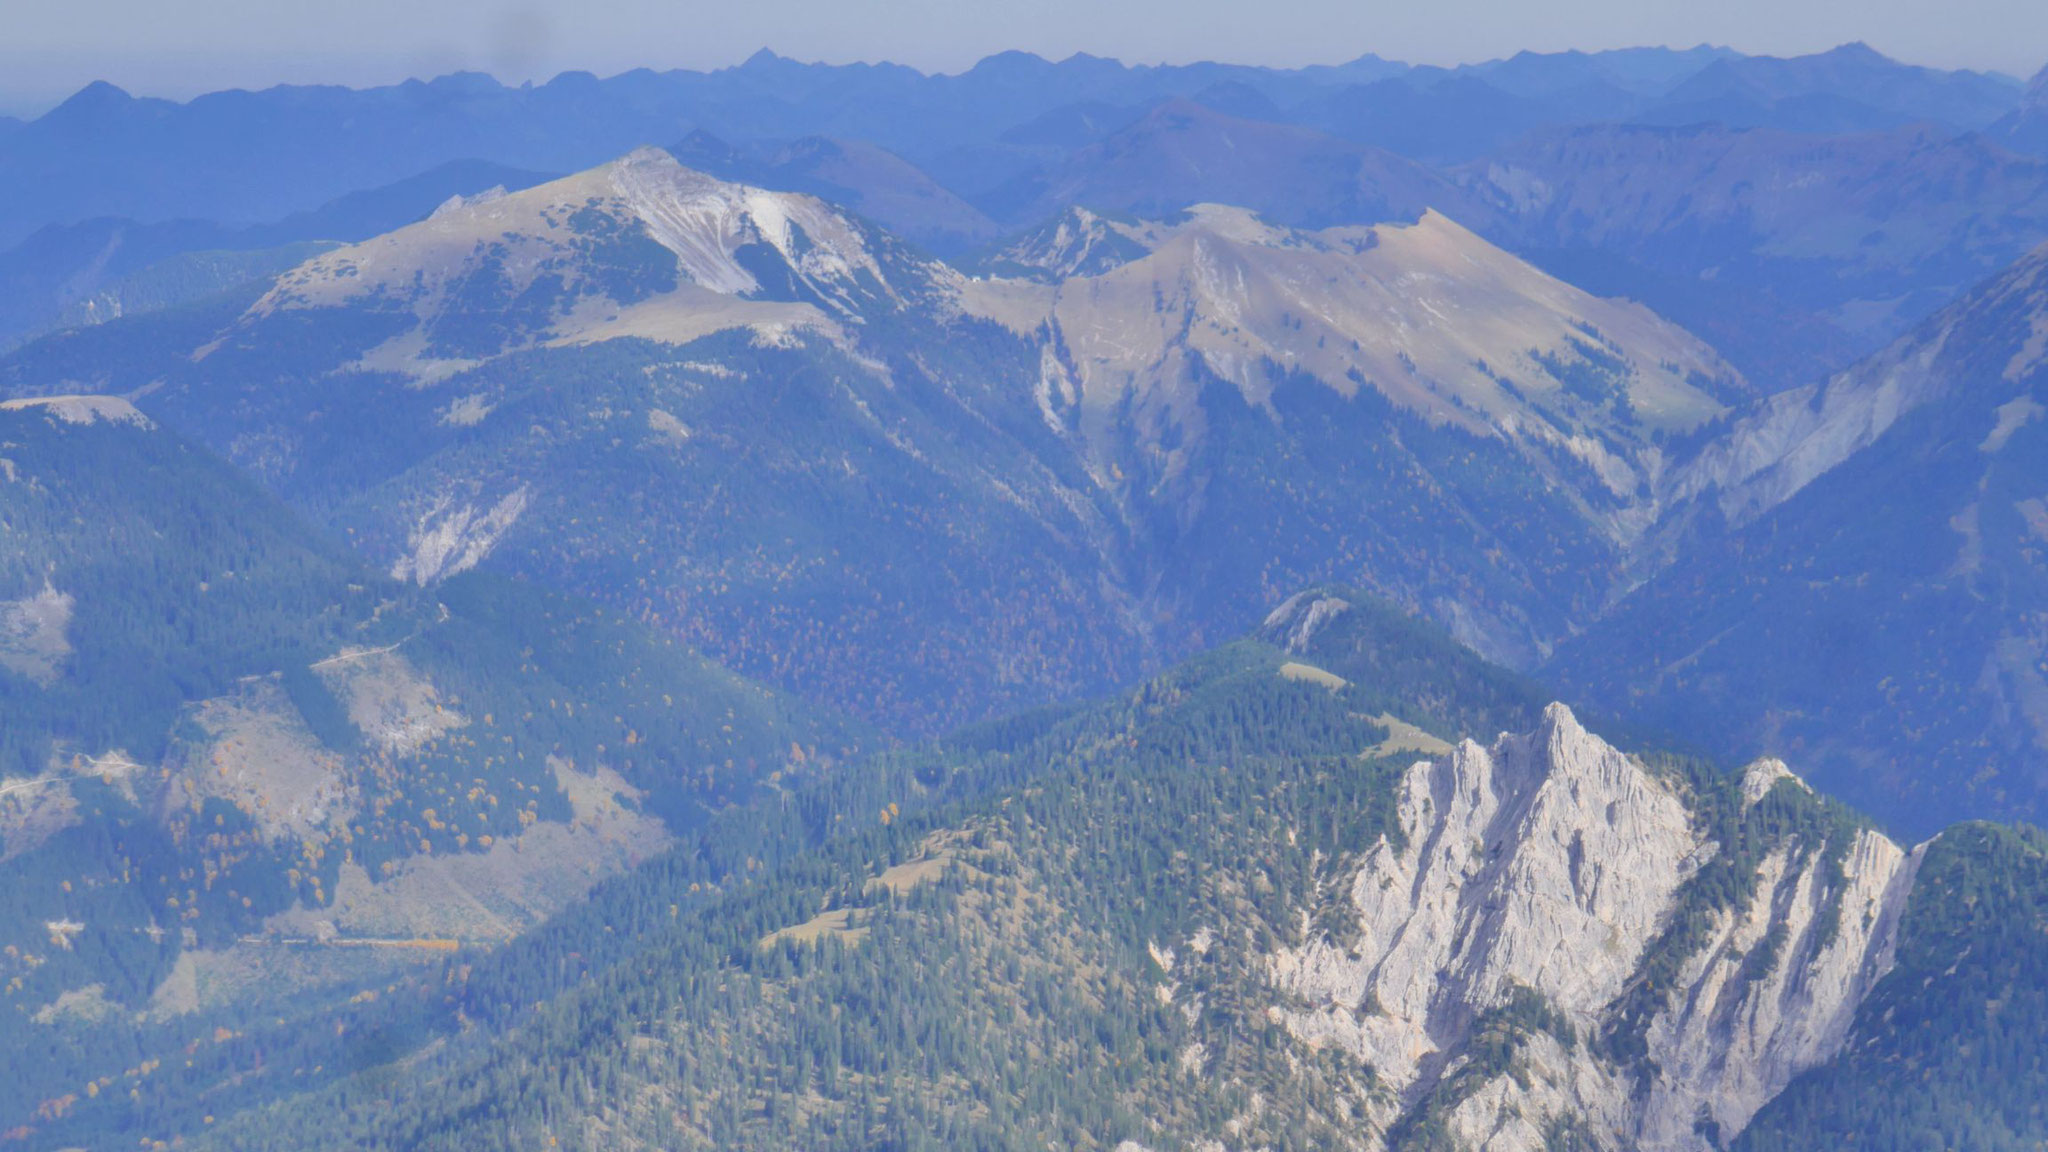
{"x": 1450, "y": 120}
{"x": 772, "y": 430}
{"x": 95, "y": 270}
{"x": 2025, "y": 129}
{"x": 1865, "y": 589}
{"x": 1848, "y": 89}
{"x": 1785, "y": 249}
{"x": 1184, "y": 153}
{"x": 862, "y": 178}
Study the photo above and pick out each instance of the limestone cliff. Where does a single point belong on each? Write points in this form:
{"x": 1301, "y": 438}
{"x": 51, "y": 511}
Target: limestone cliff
{"x": 1553, "y": 876}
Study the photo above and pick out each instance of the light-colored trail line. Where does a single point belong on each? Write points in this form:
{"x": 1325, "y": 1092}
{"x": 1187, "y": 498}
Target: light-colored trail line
{"x": 358, "y": 654}
{"x": 92, "y": 765}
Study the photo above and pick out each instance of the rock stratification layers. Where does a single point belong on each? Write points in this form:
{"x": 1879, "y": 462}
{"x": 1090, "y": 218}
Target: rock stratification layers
{"x": 1552, "y": 870}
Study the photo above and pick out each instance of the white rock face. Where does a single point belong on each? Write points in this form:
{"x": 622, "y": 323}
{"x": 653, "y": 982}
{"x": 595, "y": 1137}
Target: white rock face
{"x": 1760, "y": 777}
{"x": 1543, "y": 861}
{"x": 1293, "y": 626}
{"x": 705, "y": 222}
{"x": 451, "y": 538}
{"x": 1791, "y": 439}
{"x": 1551, "y": 861}
{"x": 34, "y": 637}
{"x": 1736, "y": 1037}
{"x": 81, "y": 409}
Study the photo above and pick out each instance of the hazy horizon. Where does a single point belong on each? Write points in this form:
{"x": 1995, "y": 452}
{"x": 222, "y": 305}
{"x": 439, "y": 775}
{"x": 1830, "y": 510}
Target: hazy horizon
{"x": 211, "y": 45}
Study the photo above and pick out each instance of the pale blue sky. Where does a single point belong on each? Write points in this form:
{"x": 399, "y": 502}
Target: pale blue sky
{"x": 49, "y": 48}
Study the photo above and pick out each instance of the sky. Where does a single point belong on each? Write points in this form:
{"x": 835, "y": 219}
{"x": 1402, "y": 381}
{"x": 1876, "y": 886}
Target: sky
{"x": 180, "y": 48}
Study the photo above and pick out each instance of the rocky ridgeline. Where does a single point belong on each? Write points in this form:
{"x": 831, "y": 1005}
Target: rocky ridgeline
{"x": 1551, "y": 863}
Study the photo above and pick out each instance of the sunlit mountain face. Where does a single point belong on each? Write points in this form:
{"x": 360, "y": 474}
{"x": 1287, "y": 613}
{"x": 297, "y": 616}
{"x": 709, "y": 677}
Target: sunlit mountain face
{"x": 1063, "y": 604}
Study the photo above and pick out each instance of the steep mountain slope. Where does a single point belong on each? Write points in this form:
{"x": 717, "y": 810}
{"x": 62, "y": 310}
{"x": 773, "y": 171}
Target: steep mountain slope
{"x": 820, "y": 458}
{"x": 1866, "y": 233}
{"x": 1276, "y": 402}
{"x": 2025, "y": 129}
{"x": 773, "y": 431}
{"x": 1864, "y": 587}
{"x": 1962, "y": 1071}
{"x": 218, "y": 734}
{"x": 1252, "y": 904}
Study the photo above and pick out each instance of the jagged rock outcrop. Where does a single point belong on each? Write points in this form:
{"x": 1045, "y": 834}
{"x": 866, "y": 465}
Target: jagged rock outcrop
{"x": 1546, "y": 870}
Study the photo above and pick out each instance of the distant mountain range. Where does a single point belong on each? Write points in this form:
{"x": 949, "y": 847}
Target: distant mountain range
{"x": 1865, "y": 234}
{"x": 1047, "y": 607}
{"x": 1148, "y": 448}
{"x": 112, "y": 186}
{"x": 98, "y": 269}
{"x": 243, "y": 157}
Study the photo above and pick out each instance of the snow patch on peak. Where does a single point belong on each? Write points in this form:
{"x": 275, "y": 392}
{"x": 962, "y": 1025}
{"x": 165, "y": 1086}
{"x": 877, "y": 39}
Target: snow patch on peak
{"x": 706, "y": 222}
{"x": 82, "y": 409}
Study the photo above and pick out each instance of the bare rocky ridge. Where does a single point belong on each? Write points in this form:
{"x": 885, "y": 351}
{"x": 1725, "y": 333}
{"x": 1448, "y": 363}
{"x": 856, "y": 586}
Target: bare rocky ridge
{"x": 1786, "y": 442}
{"x": 581, "y": 259}
{"x": 1430, "y": 315}
{"x": 1549, "y": 863}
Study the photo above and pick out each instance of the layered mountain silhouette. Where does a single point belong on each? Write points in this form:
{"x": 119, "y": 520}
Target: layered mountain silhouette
{"x": 1006, "y": 610}
{"x": 772, "y": 429}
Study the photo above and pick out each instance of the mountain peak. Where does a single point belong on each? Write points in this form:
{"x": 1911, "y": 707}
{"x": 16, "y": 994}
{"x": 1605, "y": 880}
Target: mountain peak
{"x": 1558, "y": 719}
{"x": 1857, "y": 50}
{"x": 1567, "y": 747}
{"x": 1763, "y": 775}
{"x": 639, "y": 247}
{"x": 97, "y": 96}
{"x": 705, "y": 222}
{"x": 762, "y": 58}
